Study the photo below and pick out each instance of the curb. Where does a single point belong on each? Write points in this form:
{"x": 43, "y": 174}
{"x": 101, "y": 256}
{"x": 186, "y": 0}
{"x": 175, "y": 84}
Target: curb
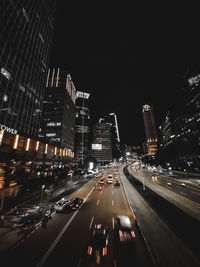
{"x": 139, "y": 227}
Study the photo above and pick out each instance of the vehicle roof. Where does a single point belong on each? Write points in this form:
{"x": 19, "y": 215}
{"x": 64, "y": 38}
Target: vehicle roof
{"x": 124, "y": 221}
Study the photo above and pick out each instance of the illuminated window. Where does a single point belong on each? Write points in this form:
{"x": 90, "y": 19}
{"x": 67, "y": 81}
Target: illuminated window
{"x": 1, "y": 136}
{"x": 27, "y": 144}
{"x": 50, "y": 134}
{"x": 46, "y": 148}
{"x": 5, "y": 73}
{"x": 37, "y": 146}
{"x": 41, "y": 38}
{"x": 5, "y": 98}
{"x": 25, "y": 14}
{"x": 16, "y": 142}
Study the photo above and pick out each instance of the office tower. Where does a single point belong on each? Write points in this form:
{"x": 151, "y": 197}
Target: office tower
{"x": 82, "y": 128}
{"x": 167, "y": 131}
{"x": 150, "y": 129}
{"x": 26, "y": 32}
{"x": 115, "y": 137}
{"x": 58, "y": 115}
{"x": 102, "y": 143}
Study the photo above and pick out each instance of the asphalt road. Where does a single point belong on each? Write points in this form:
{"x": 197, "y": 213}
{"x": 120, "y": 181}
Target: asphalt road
{"x": 64, "y": 241}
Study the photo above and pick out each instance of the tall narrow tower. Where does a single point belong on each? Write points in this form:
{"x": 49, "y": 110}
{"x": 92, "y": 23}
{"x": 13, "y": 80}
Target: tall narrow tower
{"x": 150, "y": 129}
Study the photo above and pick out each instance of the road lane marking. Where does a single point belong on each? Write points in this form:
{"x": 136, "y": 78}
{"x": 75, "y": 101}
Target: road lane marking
{"x": 91, "y": 222}
{"x": 112, "y": 192}
{"x": 97, "y": 202}
{"x": 113, "y": 222}
{"x": 112, "y": 203}
{"x": 56, "y": 240}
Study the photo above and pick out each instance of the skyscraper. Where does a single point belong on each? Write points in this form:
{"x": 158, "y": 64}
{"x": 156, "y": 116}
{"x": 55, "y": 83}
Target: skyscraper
{"x": 26, "y": 32}
{"x": 102, "y": 144}
{"x": 82, "y": 128}
{"x": 150, "y": 129}
{"x": 58, "y": 115}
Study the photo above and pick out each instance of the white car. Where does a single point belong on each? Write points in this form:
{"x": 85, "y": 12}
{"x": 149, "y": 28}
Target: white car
{"x": 62, "y": 205}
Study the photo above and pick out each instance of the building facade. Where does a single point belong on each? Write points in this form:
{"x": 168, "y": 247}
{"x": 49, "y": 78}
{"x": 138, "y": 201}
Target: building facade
{"x": 101, "y": 148}
{"x": 82, "y": 128}
{"x": 26, "y": 33}
{"x": 150, "y": 129}
{"x": 59, "y": 110}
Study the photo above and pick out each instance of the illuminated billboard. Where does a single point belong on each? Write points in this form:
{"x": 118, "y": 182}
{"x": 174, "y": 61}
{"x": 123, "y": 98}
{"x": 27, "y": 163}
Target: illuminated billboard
{"x": 97, "y": 146}
{"x": 82, "y": 95}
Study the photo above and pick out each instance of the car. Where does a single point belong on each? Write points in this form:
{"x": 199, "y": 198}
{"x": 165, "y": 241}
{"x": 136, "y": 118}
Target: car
{"x": 100, "y": 187}
{"x": 101, "y": 181}
{"x": 169, "y": 183}
{"x": 109, "y": 180}
{"x": 76, "y": 203}
{"x": 62, "y": 205}
{"x": 110, "y": 176}
{"x": 97, "y": 248}
{"x": 124, "y": 229}
{"x": 117, "y": 183}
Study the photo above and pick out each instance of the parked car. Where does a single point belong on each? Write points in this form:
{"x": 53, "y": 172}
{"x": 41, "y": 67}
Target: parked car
{"x": 76, "y": 203}
{"x": 62, "y": 205}
{"x": 98, "y": 245}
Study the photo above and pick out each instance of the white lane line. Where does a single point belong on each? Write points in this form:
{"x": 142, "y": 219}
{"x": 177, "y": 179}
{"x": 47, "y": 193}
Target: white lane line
{"x": 40, "y": 264}
{"x": 112, "y": 192}
{"x": 56, "y": 240}
{"x": 112, "y": 203}
{"x": 113, "y": 222}
{"x": 97, "y": 202}
{"x": 91, "y": 222}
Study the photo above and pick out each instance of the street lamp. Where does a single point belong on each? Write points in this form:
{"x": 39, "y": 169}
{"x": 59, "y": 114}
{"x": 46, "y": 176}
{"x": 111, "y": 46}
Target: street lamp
{"x": 43, "y": 186}
{"x": 142, "y": 168}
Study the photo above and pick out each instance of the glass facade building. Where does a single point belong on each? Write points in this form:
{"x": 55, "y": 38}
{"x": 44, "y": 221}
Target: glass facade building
{"x": 150, "y": 129}
{"x": 102, "y": 143}
{"x": 82, "y": 131}
{"x": 26, "y": 33}
{"x": 59, "y": 110}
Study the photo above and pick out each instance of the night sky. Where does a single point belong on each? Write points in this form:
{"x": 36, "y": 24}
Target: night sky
{"x": 127, "y": 56}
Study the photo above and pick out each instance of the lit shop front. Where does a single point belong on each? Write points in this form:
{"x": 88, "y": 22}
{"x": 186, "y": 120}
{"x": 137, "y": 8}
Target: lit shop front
{"x": 32, "y": 158}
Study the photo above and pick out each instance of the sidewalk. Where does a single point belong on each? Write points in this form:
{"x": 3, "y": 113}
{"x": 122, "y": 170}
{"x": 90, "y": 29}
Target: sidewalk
{"x": 10, "y": 237}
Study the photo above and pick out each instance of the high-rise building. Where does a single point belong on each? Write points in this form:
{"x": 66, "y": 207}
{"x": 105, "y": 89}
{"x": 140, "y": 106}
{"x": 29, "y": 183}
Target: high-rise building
{"x": 26, "y": 32}
{"x": 82, "y": 128}
{"x": 150, "y": 129}
{"x": 102, "y": 144}
{"x": 59, "y": 110}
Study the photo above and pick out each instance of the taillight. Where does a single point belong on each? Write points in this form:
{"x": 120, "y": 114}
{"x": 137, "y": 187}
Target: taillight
{"x": 132, "y": 234}
{"x": 104, "y": 252}
{"x": 89, "y": 250}
{"x": 120, "y": 234}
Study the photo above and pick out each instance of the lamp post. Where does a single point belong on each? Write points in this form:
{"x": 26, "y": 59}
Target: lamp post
{"x": 43, "y": 186}
{"x": 142, "y": 168}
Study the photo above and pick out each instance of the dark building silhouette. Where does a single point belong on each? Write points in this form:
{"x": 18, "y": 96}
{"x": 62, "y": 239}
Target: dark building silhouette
{"x": 82, "y": 128}
{"x": 150, "y": 129}
{"x": 58, "y": 116}
{"x": 26, "y": 32}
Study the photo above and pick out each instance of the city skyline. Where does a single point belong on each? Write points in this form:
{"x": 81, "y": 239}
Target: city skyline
{"x": 127, "y": 61}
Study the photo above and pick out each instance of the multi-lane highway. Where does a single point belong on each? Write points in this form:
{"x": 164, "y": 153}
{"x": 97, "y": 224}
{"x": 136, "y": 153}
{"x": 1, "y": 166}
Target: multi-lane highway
{"x": 64, "y": 242}
{"x": 183, "y": 194}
